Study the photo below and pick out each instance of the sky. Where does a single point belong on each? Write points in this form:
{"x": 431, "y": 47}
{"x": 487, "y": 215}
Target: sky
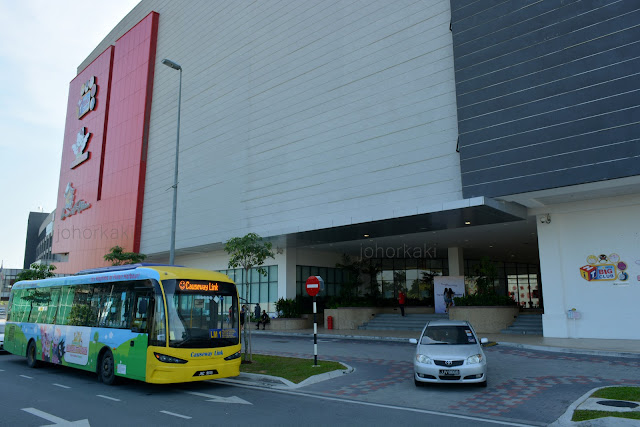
{"x": 43, "y": 43}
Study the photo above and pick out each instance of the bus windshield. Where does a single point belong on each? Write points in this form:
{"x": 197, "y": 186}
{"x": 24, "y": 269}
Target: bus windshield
{"x": 201, "y": 313}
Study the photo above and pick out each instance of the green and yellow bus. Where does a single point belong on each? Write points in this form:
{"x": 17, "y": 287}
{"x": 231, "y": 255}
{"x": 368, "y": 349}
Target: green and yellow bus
{"x": 153, "y": 323}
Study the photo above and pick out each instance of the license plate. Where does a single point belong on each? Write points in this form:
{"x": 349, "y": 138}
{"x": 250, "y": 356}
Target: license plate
{"x": 449, "y": 371}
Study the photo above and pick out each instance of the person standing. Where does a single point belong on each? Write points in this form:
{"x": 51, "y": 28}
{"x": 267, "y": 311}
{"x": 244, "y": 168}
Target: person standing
{"x": 243, "y": 310}
{"x": 256, "y": 312}
{"x": 402, "y": 299}
{"x": 447, "y": 299}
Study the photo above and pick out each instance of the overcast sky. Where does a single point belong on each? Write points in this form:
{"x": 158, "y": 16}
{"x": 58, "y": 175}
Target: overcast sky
{"x": 42, "y": 44}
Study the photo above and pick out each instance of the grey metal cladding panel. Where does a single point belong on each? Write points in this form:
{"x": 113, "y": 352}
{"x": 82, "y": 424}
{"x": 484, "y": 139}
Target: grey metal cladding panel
{"x": 470, "y": 146}
{"x": 601, "y": 69}
{"x": 560, "y": 162}
{"x": 612, "y": 139}
{"x": 537, "y": 30}
{"x": 587, "y": 172}
{"x": 490, "y": 13}
{"x": 462, "y": 9}
{"x": 566, "y": 104}
{"x": 554, "y": 52}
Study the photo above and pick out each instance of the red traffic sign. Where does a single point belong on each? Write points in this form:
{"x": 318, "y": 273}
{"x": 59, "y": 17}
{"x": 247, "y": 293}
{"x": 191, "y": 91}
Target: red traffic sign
{"x": 314, "y": 285}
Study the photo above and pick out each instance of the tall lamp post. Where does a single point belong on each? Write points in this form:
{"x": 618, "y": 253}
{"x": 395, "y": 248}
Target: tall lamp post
{"x": 172, "y": 249}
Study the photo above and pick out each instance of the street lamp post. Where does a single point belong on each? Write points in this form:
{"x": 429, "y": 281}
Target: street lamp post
{"x": 172, "y": 249}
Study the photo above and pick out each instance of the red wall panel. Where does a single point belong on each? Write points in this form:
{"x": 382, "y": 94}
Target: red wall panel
{"x": 111, "y": 180}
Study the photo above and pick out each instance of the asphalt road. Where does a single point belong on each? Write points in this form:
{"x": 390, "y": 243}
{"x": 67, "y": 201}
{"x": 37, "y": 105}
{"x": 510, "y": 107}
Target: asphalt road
{"x": 379, "y": 392}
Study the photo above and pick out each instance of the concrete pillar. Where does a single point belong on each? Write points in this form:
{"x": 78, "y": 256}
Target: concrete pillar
{"x": 287, "y": 274}
{"x": 456, "y": 261}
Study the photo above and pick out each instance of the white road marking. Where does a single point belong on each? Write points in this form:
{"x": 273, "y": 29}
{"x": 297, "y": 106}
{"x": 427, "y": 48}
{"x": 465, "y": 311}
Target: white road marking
{"x": 107, "y": 397}
{"x": 60, "y": 385}
{"x": 55, "y": 420}
{"x": 380, "y": 405}
{"x": 24, "y": 376}
{"x": 220, "y": 399}
{"x": 176, "y": 415}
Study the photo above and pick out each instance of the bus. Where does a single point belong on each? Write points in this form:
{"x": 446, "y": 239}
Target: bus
{"x": 149, "y": 322}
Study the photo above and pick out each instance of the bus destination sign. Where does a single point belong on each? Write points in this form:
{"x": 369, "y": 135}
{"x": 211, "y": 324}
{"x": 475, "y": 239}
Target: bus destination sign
{"x": 198, "y": 286}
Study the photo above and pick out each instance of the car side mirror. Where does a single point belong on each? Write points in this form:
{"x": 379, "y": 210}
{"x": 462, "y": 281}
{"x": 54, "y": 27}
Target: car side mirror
{"x": 413, "y": 341}
{"x": 484, "y": 341}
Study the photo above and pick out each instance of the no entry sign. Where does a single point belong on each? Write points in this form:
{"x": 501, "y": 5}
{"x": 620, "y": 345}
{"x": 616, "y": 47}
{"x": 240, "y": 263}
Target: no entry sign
{"x": 314, "y": 285}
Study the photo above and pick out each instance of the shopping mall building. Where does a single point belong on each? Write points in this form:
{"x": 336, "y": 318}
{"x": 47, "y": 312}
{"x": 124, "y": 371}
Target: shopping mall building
{"x": 417, "y": 136}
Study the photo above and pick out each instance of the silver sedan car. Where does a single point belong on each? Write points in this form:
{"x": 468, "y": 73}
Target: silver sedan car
{"x": 449, "y": 351}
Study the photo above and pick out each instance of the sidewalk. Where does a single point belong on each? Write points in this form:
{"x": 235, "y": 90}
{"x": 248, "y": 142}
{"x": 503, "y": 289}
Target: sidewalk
{"x": 593, "y": 346}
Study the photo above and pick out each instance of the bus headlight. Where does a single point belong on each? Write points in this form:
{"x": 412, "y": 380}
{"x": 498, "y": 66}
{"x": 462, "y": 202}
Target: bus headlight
{"x": 168, "y": 359}
{"x": 233, "y": 356}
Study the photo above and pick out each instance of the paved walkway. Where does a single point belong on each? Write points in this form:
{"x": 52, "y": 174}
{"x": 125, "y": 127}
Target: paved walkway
{"x": 598, "y": 347}
{"x": 619, "y": 348}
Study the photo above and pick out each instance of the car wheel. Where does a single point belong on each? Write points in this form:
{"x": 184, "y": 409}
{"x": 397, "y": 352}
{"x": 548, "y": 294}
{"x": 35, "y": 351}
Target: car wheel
{"x": 483, "y": 384}
{"x": 106, "y": 373}
{"x": 418, "y": 383}
{"x": 32, "y": 361}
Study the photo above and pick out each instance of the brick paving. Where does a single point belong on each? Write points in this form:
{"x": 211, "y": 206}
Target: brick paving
{"x": 502, "y": 399}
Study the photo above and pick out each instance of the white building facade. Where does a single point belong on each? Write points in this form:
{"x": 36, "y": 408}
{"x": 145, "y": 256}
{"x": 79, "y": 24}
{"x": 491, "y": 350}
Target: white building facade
{"x": 372, "y": 129}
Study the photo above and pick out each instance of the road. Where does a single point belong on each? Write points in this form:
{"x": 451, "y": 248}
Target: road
{"x": 380, "y": 391}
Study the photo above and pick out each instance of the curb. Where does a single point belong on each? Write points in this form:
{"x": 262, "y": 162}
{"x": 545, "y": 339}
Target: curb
{"x": 502, "y": 343}
{"x": 570, "y": 350}
{"x": 565, "y": 419}
{"x": 268, "y": 381}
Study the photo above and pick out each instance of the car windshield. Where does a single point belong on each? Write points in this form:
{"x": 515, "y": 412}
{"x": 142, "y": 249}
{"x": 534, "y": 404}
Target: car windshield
{"x": 448, "y": 335}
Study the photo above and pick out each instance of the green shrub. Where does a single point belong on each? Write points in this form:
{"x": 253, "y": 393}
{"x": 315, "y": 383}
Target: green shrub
{"x": 483, "y": 299}
{"x": 287, "y": 308}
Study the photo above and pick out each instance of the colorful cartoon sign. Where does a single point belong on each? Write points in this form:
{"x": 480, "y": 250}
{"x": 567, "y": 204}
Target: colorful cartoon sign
{"x": 77, "y": 345}
{"x": 603, "y": 267}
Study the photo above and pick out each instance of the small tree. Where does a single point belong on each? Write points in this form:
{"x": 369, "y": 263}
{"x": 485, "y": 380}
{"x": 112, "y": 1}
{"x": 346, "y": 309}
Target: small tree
{"x": 248, "y": 252}
{"x": 117, "y": 256}
{"x": 486, "y": 273}
{"x": 36, "y": 272}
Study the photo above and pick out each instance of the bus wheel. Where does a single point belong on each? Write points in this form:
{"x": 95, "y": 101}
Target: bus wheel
{"x": 106, "y": 372}
{"x": 32, "y": 361}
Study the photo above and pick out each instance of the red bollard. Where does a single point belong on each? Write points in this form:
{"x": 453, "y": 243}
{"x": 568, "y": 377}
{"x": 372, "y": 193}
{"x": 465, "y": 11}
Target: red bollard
{"x": 329, "y": 322}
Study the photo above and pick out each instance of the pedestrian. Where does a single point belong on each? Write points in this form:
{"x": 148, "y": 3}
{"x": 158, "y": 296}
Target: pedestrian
{"x": 402, "y": 299}
{"x": 264, "y": 319}
{"x": 243, "y": 310}
{"x": 451, "y": 295}
{"x": 447, "y": 299}
{"x": 256, "y": 312}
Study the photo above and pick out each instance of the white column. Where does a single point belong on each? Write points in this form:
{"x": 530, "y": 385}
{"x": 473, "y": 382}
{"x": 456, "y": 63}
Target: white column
{"x": 287, "y": 274}
{"x": 456, "y": 261}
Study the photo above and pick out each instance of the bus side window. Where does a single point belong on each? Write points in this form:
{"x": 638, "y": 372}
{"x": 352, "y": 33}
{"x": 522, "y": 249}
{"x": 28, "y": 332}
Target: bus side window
{"x": 141, "y": 306}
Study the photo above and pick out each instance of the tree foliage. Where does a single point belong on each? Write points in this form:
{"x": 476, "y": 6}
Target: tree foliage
{"x": 248, "y": 252}
{"x": 486, "y": 274}
{"x": 117, "y": 256}
{"x": 36, "y": 272}
{"x": 353, "y": 281}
